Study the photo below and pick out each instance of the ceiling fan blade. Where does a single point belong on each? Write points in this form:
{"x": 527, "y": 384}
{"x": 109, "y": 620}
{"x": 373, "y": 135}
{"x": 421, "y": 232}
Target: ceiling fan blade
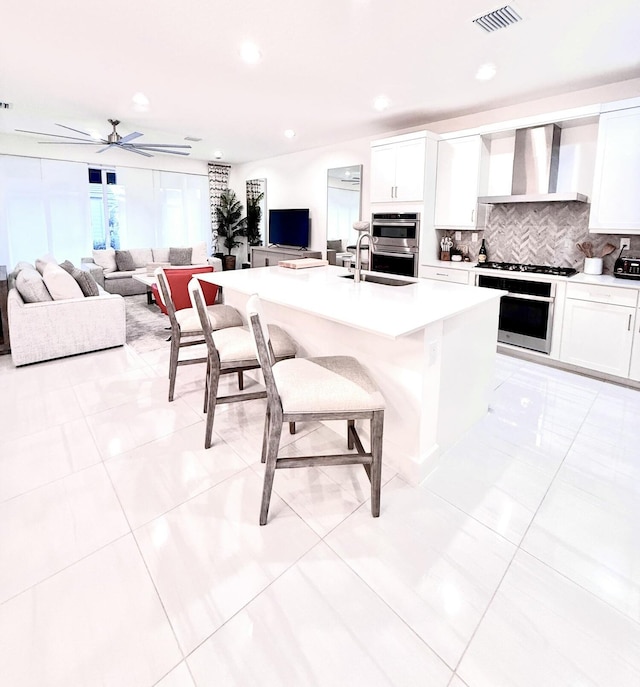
{"x": 41, "y": 133}
{"x": 84, "y": 133}
{"x": 161, "y": 145}
{"x": 73, "y": 143}
{"x": 131, "y": 149}
{"x": 156, "y": 150}
{"x": 130, "y": 137}
{"x": 111, "y": 145}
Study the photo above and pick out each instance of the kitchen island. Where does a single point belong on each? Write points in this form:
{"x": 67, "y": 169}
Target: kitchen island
{"x": 430, "y": 346}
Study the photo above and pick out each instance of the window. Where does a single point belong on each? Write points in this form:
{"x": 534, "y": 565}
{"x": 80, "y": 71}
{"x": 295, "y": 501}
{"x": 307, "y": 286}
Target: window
{"x": 105, "y": 197}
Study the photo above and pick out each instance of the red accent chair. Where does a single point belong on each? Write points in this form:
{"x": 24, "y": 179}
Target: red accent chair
{"x": 178, "y": 280}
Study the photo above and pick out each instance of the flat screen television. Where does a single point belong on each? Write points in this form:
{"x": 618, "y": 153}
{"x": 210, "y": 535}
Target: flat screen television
{"x": 289, "y": 228}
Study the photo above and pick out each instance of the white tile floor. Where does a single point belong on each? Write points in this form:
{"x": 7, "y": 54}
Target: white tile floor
{"x": 130, "y": 556}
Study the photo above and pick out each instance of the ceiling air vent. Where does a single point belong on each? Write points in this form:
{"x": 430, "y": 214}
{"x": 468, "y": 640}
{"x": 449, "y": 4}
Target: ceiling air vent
{"x": 498, "y": 19}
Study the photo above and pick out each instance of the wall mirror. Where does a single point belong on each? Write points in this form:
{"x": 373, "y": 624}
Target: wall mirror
{"x": 256, "y": 212}
{"x": 344, "y": 204}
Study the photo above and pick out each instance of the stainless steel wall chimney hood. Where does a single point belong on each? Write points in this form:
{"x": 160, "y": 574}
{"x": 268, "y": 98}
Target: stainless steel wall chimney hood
{"x": 535, "y": 169}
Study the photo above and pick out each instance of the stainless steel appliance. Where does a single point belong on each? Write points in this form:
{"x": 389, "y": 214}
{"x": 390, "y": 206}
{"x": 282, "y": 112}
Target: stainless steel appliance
{"x": 526, "y": 312}
{"x": 395, "y": 243}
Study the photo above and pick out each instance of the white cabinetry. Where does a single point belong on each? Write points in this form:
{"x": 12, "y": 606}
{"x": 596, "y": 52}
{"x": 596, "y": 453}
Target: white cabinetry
{"x": 458, "y": 182}
{"x": 397, "y": 169}
{"x": 265, "y": 256}
{"x": 597, "y": 328}
{"x": 634, "y": 369}
{"x": 615, "y": 205}
{"x": 458, "y": 276}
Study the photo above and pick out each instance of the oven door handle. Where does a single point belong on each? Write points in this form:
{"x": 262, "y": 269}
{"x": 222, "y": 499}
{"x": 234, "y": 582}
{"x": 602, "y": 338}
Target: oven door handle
{"x": 393, "y": 254}
{"x": 408, "y": 223}
{"x": 528, "y": 297}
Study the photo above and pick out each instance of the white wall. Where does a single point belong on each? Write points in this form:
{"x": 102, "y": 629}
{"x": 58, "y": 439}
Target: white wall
{"x": 299, "y": 180}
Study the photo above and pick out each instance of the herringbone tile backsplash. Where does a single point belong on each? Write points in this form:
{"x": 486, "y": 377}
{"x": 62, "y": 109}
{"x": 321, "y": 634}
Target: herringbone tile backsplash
{"x": 542, "y": 234}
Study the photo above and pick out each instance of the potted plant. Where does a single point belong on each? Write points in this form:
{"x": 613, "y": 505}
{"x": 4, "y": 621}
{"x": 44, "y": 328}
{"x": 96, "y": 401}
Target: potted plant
{"x": 254, "y": 216}
{"x": 231, "y": 225}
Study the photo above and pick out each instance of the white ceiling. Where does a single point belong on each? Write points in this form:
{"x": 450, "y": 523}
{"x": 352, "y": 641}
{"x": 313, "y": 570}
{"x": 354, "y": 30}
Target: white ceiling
{"x": 324, "y": 61}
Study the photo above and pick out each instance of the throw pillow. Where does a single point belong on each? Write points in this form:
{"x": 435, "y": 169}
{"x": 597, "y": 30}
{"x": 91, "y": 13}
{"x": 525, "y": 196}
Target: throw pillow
{"x": 67, "y": 266}
{"x": 20, "y": 266}
{"x": 86, "y": 282}
{"x": 160, "y": 255}
{"x": 124, "y": 261}
{"x": 180, "y": 256}
{"x": 105, "y": 259}
{"x": 60, "y": 284}
{"x": 199, "y": 255}
{"x": 31, "y": 286}
{"x": 42, "y": 262}
{"x": 141, "y": 256}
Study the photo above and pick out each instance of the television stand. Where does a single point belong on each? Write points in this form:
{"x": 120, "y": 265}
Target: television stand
{"x": 265, "y": 256}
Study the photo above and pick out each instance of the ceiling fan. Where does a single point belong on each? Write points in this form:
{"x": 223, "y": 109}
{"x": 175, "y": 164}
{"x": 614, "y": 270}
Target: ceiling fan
{"x": 113, "y": 140}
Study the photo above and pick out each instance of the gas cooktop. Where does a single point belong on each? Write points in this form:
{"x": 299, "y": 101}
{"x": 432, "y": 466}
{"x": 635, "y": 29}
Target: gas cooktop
{"x": 536, "y": 269}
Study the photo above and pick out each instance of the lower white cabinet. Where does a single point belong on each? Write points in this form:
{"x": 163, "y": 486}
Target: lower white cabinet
{"x": 265, "y": 256}
{"x": 634, "y": 369}
{"x": 597, "y": 328}
{"x": 458, "y": 276}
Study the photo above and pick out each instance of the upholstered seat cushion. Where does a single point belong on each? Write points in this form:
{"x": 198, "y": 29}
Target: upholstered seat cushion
{"x": 327, "y": 384}
{"x": 236, "y": 343}
{"x": 221, "y": 317}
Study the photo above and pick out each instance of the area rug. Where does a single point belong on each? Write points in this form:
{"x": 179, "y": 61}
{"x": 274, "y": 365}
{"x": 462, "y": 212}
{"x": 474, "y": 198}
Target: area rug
{"x": 146, "y": 325}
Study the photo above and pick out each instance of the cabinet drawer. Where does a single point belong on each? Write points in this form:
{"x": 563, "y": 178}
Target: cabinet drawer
{"x": 602, "y": 294}
{"x": 444, "y": 274}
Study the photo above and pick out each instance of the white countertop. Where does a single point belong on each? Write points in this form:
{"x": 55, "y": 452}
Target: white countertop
{"x": 580, "y": 278}
{"x": 389, "y": 311}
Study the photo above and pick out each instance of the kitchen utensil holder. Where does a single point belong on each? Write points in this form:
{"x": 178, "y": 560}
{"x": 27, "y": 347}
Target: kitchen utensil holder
{"x": 593, "y": 265}
{"x": 445, "y": 255}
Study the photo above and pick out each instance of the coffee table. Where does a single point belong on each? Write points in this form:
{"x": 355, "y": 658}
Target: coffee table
{"x": 149, "y": 280}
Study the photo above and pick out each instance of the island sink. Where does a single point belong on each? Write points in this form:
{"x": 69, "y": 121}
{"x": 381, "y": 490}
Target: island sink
{"x": 378, "y": 279}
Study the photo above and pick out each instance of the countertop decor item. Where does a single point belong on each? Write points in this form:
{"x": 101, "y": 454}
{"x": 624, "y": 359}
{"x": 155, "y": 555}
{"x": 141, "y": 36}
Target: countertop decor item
{"x": 593, "y": 265}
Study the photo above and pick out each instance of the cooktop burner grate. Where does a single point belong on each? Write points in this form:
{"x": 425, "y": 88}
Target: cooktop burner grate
{"x": 536, "y": 269}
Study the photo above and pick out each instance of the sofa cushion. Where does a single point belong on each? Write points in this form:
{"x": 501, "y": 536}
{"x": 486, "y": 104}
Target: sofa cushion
{"x": 199, "y": 254}
{"x": 106, "y": 259}
{"x": 160, "y": 255}
{"x": 180, "y": 256}
{"x": 124, "y": 261}
{"x": 141, "y": 256}
{"x": 20, "y": 266}
{"x": 60, "y": 284}
{"x": 42, "y": 262}
{"x": 31, "y": 286}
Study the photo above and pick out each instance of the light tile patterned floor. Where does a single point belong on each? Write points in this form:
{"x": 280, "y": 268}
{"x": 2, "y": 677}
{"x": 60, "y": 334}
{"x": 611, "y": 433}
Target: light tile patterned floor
{"x": 130, "y": 556}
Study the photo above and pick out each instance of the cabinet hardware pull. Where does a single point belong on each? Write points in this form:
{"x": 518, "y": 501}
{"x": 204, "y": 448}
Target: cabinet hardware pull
{"x": 629, "y": 325}
{"x": 473, "y": 214}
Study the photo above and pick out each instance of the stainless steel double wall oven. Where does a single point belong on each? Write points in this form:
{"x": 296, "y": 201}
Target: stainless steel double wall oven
{"x": 395, "y": 242}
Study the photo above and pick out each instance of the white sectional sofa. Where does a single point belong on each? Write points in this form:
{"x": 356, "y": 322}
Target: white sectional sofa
{"x": 56, "y": 328}
{"x": 106, "y": 267}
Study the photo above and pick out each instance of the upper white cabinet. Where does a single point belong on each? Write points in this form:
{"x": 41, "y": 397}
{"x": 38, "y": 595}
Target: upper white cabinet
{"x": 615, "y": 205}
{"x": 458, "y": 182}
{"x": 397, "y": 169}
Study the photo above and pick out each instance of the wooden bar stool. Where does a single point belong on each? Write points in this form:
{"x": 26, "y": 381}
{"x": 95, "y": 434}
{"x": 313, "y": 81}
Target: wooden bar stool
{"x": 323, "y": 388}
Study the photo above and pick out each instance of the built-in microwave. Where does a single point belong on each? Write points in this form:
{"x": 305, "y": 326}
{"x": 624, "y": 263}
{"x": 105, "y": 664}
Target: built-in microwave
{"x": 396, "y": 232}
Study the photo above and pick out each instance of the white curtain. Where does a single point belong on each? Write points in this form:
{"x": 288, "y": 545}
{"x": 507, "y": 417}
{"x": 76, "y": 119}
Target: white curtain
{"x": 44, "y": 210}
{"x": 162, "y": 208}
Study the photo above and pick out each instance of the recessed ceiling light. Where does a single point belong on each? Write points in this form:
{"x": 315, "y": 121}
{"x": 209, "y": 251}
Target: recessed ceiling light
{"x": 486, "y": 71}
{"x": 217, "y": 155}
{"x": 96, "y": 135}
{"x": 289, "y": 133}
{"x": 381, "y": 103}
{"x": 250, "y": 53}
{"x": 140, "y": 102}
